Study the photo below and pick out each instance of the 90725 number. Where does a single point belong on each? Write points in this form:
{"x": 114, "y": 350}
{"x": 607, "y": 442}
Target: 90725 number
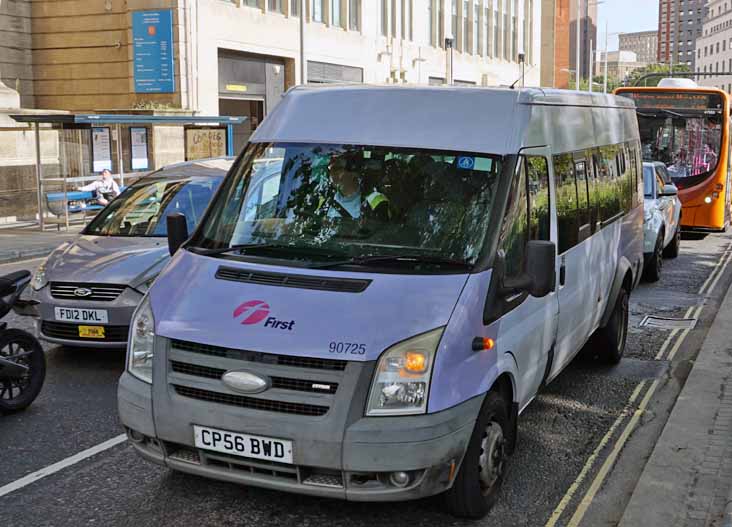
{"x": 347, "y": 348}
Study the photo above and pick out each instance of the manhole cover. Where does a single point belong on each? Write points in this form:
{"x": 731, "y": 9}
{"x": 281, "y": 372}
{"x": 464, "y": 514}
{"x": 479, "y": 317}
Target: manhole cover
{"x": 651, "y": 321}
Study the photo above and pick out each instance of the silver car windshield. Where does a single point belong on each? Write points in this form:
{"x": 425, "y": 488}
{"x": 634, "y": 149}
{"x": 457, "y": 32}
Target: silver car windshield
{"x": 141, "y": 209}
{"x": 355, "y": 201}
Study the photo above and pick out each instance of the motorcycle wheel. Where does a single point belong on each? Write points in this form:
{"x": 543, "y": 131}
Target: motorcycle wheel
{"x": 23, "y": 348}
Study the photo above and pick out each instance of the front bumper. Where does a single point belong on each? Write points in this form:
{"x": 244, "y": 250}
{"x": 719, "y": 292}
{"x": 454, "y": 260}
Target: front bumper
{"x": 119, "y": 314}
{"x": 429, "y": 448}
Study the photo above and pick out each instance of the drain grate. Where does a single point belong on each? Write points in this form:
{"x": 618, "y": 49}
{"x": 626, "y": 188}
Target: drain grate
{"x": 651, "y": 321}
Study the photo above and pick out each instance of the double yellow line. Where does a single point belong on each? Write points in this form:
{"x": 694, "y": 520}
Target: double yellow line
{"x": 707, "y": 287}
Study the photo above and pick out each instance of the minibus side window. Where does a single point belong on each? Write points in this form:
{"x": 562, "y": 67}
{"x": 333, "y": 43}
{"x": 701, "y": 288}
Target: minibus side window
{"x": 583, "y": 205}
{"x": 609, "y": 190}
{"x": 538, "y": 172}
{"x": 515, "y": 227}
{"x": 566, "y": 190}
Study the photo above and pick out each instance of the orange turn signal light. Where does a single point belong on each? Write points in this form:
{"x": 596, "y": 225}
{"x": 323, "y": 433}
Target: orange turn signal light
{"x": 415, "y": 362}
{"x": 483, "y": 343}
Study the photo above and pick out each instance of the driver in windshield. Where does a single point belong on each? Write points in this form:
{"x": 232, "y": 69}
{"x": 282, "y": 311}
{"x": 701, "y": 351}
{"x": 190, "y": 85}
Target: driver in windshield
{"x": 347, "y": 200}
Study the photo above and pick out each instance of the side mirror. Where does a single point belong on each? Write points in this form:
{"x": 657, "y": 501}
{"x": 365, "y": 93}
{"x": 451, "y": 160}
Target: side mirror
{"x": 177, "y": 231}
{"x": 541, "y": 264}
{"x": 669, "y": 190}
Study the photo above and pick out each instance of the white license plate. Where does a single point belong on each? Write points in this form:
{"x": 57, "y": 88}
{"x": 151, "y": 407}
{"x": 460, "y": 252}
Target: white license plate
{"x": 244, "y": 445}
{"x": 73, "y": 314}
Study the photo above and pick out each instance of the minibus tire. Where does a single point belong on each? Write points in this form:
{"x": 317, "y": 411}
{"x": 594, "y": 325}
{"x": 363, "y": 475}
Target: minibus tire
{"x": 611, "y": 339}
{"x": 470, "y": 496}
{"x": 672, "y": 251}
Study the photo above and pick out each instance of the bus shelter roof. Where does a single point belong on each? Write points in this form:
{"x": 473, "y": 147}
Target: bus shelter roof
{"x": 87, "y": 118}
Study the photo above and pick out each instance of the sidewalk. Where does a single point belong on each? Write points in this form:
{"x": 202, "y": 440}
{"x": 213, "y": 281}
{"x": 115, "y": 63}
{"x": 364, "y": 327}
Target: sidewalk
{"x": 20, "y": 243}
{"x": 688, "y": 479}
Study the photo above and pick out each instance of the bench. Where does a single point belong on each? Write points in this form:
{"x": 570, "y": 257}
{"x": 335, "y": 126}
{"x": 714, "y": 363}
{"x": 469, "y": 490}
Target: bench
{"x": 79, "y": 204}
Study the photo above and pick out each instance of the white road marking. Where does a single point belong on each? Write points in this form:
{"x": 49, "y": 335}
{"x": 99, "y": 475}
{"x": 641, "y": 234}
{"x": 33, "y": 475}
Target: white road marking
{"x": 64, "y": 463}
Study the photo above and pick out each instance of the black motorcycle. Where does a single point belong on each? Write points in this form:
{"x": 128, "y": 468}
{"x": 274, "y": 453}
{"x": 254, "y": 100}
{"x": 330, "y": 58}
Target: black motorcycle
{"x": 22, "y": 362}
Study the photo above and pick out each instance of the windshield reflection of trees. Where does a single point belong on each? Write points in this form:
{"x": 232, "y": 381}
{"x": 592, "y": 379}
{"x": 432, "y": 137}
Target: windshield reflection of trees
{"x": 404, "y": 200}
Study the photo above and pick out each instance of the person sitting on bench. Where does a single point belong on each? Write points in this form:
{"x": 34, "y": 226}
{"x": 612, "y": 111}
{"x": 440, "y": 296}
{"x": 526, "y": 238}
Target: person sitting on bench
{"x": 106, "y": 188}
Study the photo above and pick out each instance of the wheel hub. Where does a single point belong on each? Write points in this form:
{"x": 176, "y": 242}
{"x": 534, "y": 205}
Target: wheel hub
{"x": 492, "y": 456}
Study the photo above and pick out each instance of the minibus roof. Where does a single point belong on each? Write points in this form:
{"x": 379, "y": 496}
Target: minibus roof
{"x": 469, "y": 119}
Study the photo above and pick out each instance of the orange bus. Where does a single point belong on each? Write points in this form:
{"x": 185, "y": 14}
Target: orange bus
{"x": 687, "y": 128}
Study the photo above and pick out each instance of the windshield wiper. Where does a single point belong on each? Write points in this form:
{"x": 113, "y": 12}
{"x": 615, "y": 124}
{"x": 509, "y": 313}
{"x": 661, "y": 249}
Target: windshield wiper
{"x": 246, "y": 248}
{"x": 408, "y": 259}
{"x": 240, "y": 248}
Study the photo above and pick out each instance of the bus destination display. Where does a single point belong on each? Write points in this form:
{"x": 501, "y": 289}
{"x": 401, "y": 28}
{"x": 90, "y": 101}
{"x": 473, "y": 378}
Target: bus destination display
{"x": 675, "y": 100}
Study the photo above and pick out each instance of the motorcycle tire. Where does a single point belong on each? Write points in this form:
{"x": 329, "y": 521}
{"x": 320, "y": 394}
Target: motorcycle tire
{"x": 18, "y": 393}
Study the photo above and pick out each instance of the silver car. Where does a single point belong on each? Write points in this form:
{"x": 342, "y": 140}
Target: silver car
{"x": 662, "y": 219}
{"x": 88, "y": 288}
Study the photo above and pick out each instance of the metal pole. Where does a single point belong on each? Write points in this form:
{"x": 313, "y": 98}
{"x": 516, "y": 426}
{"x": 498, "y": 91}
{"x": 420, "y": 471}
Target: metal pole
{"x": 303, "y": 66}
{"x": 590, "y": 71}
{"x": 578, "y": 55}
{"x": 604, "y": 80}
{"x": 39, "y": 176}
{"x": 120, "y": 161}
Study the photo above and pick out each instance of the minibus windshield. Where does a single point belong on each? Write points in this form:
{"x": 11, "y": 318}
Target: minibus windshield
{"x": 141, "y": 209}
{"x": 321, "y": 202}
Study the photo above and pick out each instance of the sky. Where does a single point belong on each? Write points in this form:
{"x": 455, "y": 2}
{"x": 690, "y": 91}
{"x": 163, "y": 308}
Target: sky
{"x": 625, "y": 16}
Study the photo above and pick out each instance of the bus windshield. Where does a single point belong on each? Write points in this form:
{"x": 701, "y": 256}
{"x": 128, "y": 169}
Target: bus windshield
{"x": 354, "y": 202}
{"x": 688, "y": 144}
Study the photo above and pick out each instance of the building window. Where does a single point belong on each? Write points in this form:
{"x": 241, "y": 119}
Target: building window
{"x": 294, "y": 7}
{"x": 441, "y": 24}
{"x": 251, "y": 3}
{"x": 476, "y": 27}
{"x": 318, "y": 10}
{"x": 486, "y": 31}
{"x": 385, "y": 18}
{"x": 407, "y": 20}
{"x": 466, "y": 27}
{"x": 495, "y": 32}
{"x": 276, "y": 6}
{"x": 506, "y": 37}
{"x": 335, "y": 13}
{"x": 394, "y": 24}
{"x": 430, "y": 23}
{"x": 354, "y": 15}
{"x": 454, "y": 23}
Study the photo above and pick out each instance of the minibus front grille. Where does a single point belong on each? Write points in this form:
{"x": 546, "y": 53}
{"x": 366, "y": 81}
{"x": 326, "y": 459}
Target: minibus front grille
{"x": 251, "y": 402}
{"x": 255, "y": 356}
{"x": 319, "y": 283}
{"x": 282, "y": 383}
{"x": 86, "y": 292}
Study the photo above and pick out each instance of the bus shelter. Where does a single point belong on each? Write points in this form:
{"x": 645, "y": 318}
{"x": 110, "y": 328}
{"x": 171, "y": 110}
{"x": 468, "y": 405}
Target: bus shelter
{"x": 72, "y": 150}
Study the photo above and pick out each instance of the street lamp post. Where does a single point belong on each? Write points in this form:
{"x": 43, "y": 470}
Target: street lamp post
{"x": 303, "y": 66}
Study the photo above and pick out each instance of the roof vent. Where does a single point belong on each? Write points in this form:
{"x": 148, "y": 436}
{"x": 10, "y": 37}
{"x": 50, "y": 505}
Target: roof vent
{"x": 677, "y": 82}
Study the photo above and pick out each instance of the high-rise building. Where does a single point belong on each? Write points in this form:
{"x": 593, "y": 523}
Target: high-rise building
{"x": 555, "y": 21}
{"x": 679, "y": 25}
{"x": 587, "y": 25}
{"x": 643, "y": 43}
{"x": 714, "y": 47}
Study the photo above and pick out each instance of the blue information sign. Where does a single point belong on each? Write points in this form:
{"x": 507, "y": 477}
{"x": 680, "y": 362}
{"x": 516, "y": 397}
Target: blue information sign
{"x": 152, "y": 34}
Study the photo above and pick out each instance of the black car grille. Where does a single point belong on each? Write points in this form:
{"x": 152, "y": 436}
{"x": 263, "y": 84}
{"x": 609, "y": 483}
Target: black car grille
{"x": 283, "y": 383}
{"x": 338, "y": 285}
{"x": 251, "y": 402}
{"x": 66, "y": 331}
{"x": 94, "y": 292}
{"x": 255, "y": 356}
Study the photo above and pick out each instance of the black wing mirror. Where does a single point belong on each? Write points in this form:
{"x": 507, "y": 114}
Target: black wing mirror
{"x": 539, "y": 278}
{"x": 541, "y": 267}
{"x": 177, "y": 231}
{"x": 669, "y": 190}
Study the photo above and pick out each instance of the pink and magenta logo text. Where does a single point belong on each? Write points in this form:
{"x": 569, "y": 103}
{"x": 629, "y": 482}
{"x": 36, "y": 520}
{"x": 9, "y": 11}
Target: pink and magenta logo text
{"x": 255, "y": 311}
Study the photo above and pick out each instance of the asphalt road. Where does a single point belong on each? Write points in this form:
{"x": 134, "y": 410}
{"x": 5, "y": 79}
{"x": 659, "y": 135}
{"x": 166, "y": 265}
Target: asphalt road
{"x": 558, "y": 434}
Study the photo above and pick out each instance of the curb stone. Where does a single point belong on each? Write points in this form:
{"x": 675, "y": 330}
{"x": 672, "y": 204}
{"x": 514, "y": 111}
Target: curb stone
{"x": 15, "y": 255}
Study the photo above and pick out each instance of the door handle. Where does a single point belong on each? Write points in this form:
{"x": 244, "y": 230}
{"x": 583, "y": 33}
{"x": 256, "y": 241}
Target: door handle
{"x": 562, "y": 272}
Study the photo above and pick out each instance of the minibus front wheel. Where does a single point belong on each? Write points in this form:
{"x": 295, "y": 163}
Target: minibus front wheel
{"x": 611, "y": 339}
{"x": 476, "y": 486}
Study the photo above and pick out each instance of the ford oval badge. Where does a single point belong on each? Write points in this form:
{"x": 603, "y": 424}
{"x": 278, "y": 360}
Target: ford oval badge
{"x": 245, "y": 382}
{"x": 82, "y": 292}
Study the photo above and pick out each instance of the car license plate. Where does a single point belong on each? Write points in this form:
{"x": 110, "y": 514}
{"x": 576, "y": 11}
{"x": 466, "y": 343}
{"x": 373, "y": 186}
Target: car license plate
{"x": 243, "y": 445}
{"x": 73, "y": 314}
{"x": 91, "y": 332}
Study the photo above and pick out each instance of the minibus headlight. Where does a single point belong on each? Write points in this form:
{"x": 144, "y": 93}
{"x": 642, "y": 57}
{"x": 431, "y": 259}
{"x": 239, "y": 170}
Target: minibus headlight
{"x": 402, "y": 379}
{"x": 142, "y": 339}
{"x": 39, "y": 277}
